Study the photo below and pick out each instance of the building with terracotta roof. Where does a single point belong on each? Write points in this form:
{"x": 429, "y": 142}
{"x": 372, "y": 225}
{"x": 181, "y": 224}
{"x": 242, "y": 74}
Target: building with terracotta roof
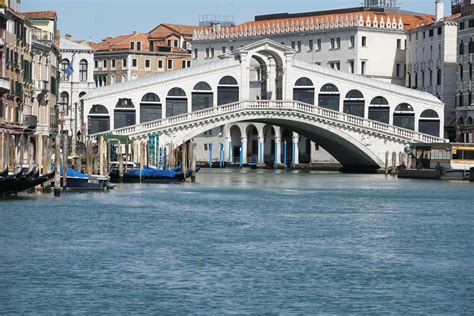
{"x": 138, "y": 55}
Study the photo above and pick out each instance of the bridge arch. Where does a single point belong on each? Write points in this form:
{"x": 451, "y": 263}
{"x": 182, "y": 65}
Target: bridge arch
{"x": 379, "y": 110}
{"x": 354, "y": 103}
{"x": 303, "y": 90}
{"x": 329, "y": 97}
{"x": 150, "y": 108}
{"x": 98, "y": 119}
{"x": 124, "y": 113}
{"x": 176, "y": 102}
{"x": 429, "y": 123}
{"x": 404, "y": 116}
{"x": 202, "y": 96}
{"x": 227, "y": 90}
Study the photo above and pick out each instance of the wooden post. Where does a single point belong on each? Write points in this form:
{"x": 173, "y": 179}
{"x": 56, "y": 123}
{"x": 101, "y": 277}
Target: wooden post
{"x": 109, "y": 155}
{"x": 8, "y": 150}
{"x": 2, "y": 150}
{"x": 101, "y": 156}
{"x": 29, "y": 151}
{"x": 39, "y": 153}
{"x": 386, "y": 162}
{"x": 88, "y": 157}
{"x": 120, "y": 159}
{"x": 409, "y": 157}
{"x": 57, "y": 164}
{"x": 394, "y": 163}
{"x": 46, "y": 163}
{"x": 65, "y": 158}
{"x": 13, "y": 155}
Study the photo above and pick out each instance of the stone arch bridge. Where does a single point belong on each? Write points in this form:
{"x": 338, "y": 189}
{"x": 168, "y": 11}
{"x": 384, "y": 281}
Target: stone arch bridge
{"x": 354, "y": 118}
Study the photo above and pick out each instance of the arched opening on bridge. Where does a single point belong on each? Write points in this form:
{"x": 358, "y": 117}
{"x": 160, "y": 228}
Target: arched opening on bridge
{"x": 227, "y": 91}
{"x": 404, "y": 116}
{"x": 202, "y": 96}
{"x": 269, "y": 145}
{"x": 379, "y": 110}
{"x": 429, "y": 123}
{"x": 98, "y": 119}
{"x": 258, "y": 79}
{"x": 124, "y": 113}
{"x": 303, "y": 90}
{"x": 176, "y": 102}
{"x": 329, "y": 97}
{"x": 236, "y": 138}
{"x": 150, "y": 108}
{"x": 354, "y": 103}
{"x": 286, "y": 146}
{"x": 252, "y": 144}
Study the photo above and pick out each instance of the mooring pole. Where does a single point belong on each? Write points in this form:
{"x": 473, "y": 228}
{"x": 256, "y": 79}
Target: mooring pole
{"x": 183, "y": 160}
{"x": 57, "y": 165}
{"x": 65, "y": 157}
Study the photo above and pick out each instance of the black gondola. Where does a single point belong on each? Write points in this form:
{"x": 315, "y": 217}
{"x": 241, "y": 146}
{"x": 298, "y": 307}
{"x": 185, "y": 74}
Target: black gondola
{"x": 4, "y": 172}
{"x": 22, "y": 180}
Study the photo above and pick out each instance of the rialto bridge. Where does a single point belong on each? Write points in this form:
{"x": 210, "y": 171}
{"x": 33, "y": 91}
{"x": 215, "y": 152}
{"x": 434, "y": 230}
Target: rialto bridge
{"x": 262, "y": 90}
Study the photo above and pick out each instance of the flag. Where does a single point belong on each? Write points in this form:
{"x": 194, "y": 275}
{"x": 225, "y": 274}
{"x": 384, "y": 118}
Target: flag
{"x": 70, "y": 69}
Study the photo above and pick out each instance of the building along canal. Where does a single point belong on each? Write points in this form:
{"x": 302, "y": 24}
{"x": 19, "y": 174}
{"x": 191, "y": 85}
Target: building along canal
{"x": 243, "y": 242}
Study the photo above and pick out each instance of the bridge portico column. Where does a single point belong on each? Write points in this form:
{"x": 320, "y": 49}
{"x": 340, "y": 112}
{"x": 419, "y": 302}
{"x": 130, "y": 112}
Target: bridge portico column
{"x": 243, "y": 150}
{"x": 277, "y": 151}
{"x": 245, "y": 76}
{"x": 296, "y": 152}
{"x": 228, "y": 149}
{"x": 271, "y": 79}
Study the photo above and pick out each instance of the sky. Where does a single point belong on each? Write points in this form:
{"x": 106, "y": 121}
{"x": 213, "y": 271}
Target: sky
{"x": 98, "y": 19}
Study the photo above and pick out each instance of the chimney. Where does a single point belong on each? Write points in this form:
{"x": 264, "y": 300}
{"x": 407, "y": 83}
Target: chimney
{"x": 439, "y": 10}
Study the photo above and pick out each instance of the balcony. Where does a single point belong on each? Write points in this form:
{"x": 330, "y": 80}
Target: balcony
{"x": 42, "y": 36}
{"x": 4, "y": 85}
{"x": 30, "y": 121}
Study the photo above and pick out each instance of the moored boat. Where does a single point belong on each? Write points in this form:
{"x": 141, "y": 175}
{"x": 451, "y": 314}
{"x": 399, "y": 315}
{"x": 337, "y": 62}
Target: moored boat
{"x": 79, "y": 181}
{"x": 150, "y": 174}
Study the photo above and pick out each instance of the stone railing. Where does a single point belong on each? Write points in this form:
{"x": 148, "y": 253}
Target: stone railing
{"x": 262, "y": 28}
{"x": 277, "y": 107}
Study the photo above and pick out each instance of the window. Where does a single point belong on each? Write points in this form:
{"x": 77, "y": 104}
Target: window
{"x": 471, "y": 46}
{"x": 461, "y": 25}
{"x": 202, "y": 96}
{"x": 404, "y": 116}
{"x": 362, "y": 67}
{"x": 96, "y": 63}
{"x": 223, "y": 49}
{"x": 147, "y": 64}
{"x": 183, "y": 64}
{"x": 431, "y": 33}
{"x": 212, "y": 52}
{"x": 170, "y": 64}
{"x": 195, "y": 53}
{"x": 470, "y": 71}
{"x": 440, "y": 30}
{"x": 431, "y": 77}
{"x": 379, "y": 110}
{"x": 461, "y": 47}
{"x": 335, "y": 65}
{"x": 113, "y": 63}
{"x": 299, "y": 46}
{"x": 329, "y": 97}
{"x": 318, "y": 44}
{"x": 429, "y": 123}
{"x": 461, "y": 72}
{"x": 105, "y": 63}
{"x": 439, "y": 77}
{"x": 351, "y": 66}
{"x": 83, "y": 70}
{"x": 160, "y": 64}
{"x": 189, "y": 63}
{"x": 471, "y": 23}
{"x": 424, "y": 34}
{"x": 399, "y": 44}
{"x": 293, "y": 45}
{"x": 364, "y": 41}
{"x": 231, "y": 48}
{"x": 333, "y": 43}
{"x": 98, "y": 119}
{"x": 354, "y": 103}
{"x": 64, "y": 66}
{"x": 124, "y": 113}
{"x": 132, "y": 45}
{"x": 176, "y": 44}
{"x": 134, "y": 63}
{"x": 227, "y": 91}
{"x": 303, "y": 90}
{"x": 64, "y": 102}
{"x": 150, "y": 108}
{"x": 338, "y": 42}
{"x": 310, "y": 45}
{"x": 352, "y": 42}
{"x": 208, "y": 54}
{"x": 422, "y": 78}
{"x": 398, "y": 70}
{"x": 124, "y": 63}
{"x": 176, "y": 102}
{"x": 139, "y": 46}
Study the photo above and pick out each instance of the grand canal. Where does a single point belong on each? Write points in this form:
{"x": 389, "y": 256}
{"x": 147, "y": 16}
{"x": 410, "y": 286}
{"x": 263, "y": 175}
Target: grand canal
{"x": 243, "y": 242}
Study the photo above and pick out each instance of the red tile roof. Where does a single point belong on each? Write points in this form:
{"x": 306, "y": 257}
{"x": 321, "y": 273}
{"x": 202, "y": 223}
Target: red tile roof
{"x": 47, "y": 15}
{"x": 167, "y": 29}
{"x": 121, "y": 42}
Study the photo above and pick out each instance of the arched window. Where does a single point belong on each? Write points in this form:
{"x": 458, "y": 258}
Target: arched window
{"x": 176, "y": 102}
{"x": 429, "y": 123}
{"x": 461, "y": 47}
{"x": 134, "y": 77}
{"x": 150, "y": 108}
{"x": 63, "y": 67}
{"x": 82, "y": 94}
{"x": 379, "y": 110}
{"x": 124, "y": 78}
{"x": 329, "y": 97}
{"x": 64, "y": 100}
{"x": 113, "y": 79}
{"x": 83, "y": 70}
{"x": 202, "y": 96}
{"x": 98, "y": 119}
{"x": 469, "y": 121}
{"x": 460, "y": 121}
{"x": 404, "y": 116}
{"x": 227, "y": 91}
{"x": 124, "y": 113}
{"x": 354, "y": 103}
{"x": 304, "y": 90}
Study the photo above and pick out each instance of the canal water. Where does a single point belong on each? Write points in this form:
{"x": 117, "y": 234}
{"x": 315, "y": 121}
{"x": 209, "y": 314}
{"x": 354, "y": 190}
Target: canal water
{"x": 243, "y": 242}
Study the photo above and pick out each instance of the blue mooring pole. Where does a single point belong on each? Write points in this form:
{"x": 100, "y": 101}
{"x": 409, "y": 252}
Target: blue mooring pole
{"x": 210, "y": 155}
{"x": 241, "y": 158}
{"x": 165, "y": 162}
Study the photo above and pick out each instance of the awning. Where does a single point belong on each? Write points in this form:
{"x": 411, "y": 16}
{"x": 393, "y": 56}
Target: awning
{"x": 111, "y": 138}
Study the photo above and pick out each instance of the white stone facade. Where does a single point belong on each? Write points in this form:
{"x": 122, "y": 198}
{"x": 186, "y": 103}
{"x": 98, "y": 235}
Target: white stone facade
{"x": 81, "y": 82}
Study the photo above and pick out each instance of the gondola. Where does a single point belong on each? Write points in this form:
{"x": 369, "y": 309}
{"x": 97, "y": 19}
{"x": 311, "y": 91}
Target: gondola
{"x": 23, "y": 180}
{"x": 80, "y": 181}
{"x": 148, "y": 174}
{"x": 4, "y": 172}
